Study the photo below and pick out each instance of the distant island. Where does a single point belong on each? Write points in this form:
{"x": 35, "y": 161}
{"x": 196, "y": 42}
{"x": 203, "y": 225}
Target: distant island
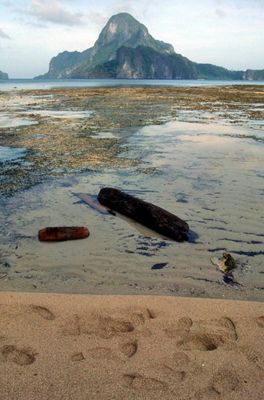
{"x": 3, "y": 76}
{"x": 254, "y": 75}
{"x": 126, "y": 50}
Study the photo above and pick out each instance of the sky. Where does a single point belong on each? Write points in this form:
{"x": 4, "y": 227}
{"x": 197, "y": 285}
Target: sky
{"x": 229, "y": 33}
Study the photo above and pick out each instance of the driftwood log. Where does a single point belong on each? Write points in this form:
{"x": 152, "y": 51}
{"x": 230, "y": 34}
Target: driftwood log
{"x": 147, "y": 214}
{"x": 61, "y": 233}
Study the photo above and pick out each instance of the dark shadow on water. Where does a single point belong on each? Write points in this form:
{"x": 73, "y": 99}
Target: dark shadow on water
{"x": 158, "y": 266}
{"x": 229, "y": 279}
{"x": 192, "y": 236}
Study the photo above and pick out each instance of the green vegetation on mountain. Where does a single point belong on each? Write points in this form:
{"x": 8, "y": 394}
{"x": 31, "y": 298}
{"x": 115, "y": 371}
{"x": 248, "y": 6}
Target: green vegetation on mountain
{"x": 141, "y": 63}
{"x": 210, "y": 71}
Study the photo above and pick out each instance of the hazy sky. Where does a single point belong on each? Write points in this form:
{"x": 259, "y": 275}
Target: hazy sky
{"x": 223, "y": 32}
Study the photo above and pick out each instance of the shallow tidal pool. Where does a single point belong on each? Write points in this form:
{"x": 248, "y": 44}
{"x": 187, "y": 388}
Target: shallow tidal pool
{"x": 195, "y": 151}
{"x": 209, "y": 174}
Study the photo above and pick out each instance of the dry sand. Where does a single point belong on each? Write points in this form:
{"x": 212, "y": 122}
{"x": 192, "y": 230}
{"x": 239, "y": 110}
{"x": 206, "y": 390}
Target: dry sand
{"x": 124, "y": 347}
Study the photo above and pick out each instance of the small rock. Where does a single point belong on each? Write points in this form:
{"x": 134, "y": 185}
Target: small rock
{"x": 225, "y": 263}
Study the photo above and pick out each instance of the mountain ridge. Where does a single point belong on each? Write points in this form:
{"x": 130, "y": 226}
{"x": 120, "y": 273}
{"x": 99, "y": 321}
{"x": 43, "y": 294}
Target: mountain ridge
{"x": 3, "y": 76}
{"x": 126, "y": 49}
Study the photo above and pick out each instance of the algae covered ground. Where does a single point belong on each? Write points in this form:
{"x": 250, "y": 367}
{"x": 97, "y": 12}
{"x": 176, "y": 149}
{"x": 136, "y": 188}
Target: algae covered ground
{"x": 71, "y": 130}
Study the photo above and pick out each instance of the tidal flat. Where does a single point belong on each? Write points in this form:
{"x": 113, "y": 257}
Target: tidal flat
{"x": 196, "y": 151}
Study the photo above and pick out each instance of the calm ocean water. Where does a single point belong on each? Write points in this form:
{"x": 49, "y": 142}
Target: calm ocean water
{"x": 12, "y": 84}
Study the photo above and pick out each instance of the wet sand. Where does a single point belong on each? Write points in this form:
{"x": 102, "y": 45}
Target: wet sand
{"x": 121, "y": 347}
{"x": 118, "y": 256}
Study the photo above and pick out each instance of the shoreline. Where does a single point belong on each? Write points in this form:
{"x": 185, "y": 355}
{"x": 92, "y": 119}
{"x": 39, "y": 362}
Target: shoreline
{"x": 130, "y": 347}
{"x": 130, "y": 294}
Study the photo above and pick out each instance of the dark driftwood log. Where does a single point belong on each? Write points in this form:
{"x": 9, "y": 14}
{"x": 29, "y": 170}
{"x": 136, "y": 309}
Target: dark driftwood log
{"x": 147, "y": 214}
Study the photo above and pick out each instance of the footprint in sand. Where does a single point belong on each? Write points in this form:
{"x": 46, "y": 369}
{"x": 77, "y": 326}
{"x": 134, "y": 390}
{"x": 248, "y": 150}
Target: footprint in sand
{"x": 16, "y": 355}
{"x": 173, "y": 368}
{"x": 104, "y": 327}
{"x": 140, "y": 382}
{"x": 260, "y": 321}
{"x": 227, "y": 323}
{"x": 100, "y": 352}
{"x": 71, "y": 326}
{"x": 43, "y": 312}
{"x": 205, "y": 338}
{"x": 185, "y": 323}
{"x": 208, "y": 393}
{"x": 77, "y": 357}
{"x": 178, "y": 376}
{"x": 178, "y": 360}
{"x": 129, "y": 349}
{"x": 223, "y": 383}
{"x": 103, "y": 353}
{"x": 180, "y": 329}
{"x": 253, "y": 356}
{"x": 202, "y": 342}
{"x": 109, "y": 327}
{"x": 140, "y": 317}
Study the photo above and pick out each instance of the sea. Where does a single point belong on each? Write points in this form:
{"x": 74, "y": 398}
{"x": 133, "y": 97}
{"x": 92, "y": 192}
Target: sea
{"x": 19, "y": 84}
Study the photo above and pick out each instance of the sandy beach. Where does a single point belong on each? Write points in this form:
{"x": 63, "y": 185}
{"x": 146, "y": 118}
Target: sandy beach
{"x": 55, "y": 346}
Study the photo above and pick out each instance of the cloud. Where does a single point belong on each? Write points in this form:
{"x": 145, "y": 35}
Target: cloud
{"x": 6, "y": 3}
{"x": 138, "y": 8}
{"x": 97, "y": 18}
{"x": 220, "y": 13}
{"x": 3, "y": 35}
{"x": 122, "y": 5}
{"x": 53, "y": 12}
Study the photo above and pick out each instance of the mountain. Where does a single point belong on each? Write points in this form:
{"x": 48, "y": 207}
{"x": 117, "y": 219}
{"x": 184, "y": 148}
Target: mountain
{"x": 3, "y": 76}
{"x": 124, "y": 30}
{"x": 125, "y": 49}
{"x": 121, "y": 30}
{"x": 64, "y": 63}
{"x": 254, "y": 75}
